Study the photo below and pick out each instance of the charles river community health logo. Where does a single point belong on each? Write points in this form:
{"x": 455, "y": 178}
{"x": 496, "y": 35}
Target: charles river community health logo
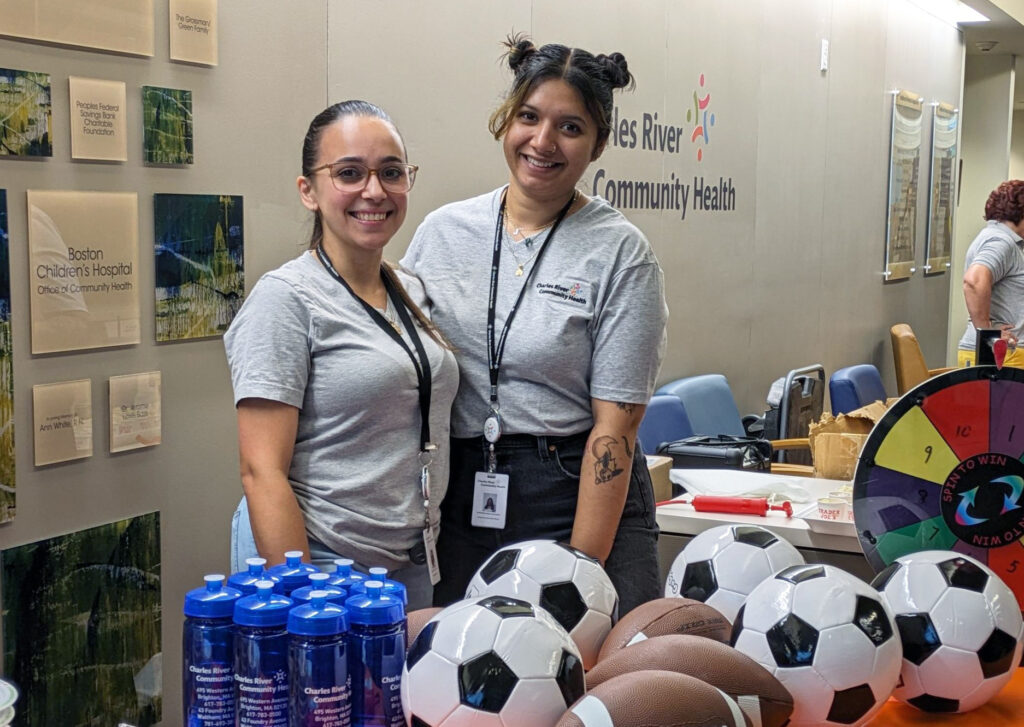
{"x": 701, "y": 119}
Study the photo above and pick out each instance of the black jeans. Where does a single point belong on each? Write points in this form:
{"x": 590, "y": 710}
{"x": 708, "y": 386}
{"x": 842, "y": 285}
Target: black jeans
{"x": 544, "y": 477}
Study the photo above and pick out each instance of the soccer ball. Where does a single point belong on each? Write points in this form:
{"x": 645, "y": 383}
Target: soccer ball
{"x": 721, "y": 566}
{"x": 566, "y": 582}
{"x": 828, "y": 637}
{"x": 491, "y": 662}
{"x": 960, "y": 626}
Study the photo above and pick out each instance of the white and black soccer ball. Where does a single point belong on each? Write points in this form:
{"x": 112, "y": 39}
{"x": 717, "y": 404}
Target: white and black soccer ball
{"x": 566, "y": 582}
{"x": 491, "y": 662}
{"x": 960, "y": 625}
{"x": 723, "y": 564}
{"x": 828, "y": 637}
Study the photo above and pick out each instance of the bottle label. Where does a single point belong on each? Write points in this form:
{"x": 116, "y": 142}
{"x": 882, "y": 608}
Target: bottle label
{"x": 263, "y": 699}
{"x": 212, "y": 691}
{"x": 325, "y": 706}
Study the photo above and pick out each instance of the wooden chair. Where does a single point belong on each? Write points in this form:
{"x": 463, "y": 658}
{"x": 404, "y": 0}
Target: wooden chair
{"x": 911, "y": 368}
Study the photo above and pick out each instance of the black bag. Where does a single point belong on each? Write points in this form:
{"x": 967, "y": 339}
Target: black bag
{"x": 721, "y": 452}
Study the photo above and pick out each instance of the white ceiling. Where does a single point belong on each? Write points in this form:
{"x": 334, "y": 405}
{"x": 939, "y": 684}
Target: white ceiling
{"x": 1005, "y": 27}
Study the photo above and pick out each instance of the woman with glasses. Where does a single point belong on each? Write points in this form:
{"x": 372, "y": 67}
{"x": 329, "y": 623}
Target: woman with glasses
{"x": 343, "y": 386}
{"x": 555, "y": 308}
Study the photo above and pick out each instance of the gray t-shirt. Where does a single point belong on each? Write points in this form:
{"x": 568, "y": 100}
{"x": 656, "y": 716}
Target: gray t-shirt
{"x": 302, "y": 339}
{"x": 998, "y": 248}
{"x": 591, "y": 324}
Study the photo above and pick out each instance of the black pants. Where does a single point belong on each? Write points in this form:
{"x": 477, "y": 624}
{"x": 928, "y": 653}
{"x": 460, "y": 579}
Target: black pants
{"x": 544, "y": 477}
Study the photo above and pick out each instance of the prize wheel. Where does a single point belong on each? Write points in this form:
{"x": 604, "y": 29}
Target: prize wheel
{"x": 943, "y": 470}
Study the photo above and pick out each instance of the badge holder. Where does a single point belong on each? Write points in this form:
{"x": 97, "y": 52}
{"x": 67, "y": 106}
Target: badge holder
{"x": 490, "y": 488}
{"x": 429, "y": 539}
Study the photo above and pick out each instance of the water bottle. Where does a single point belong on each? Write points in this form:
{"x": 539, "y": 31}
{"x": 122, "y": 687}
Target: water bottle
{"x": 318, "y": 582}
{"x": 343, "y": 574}
{"x": 261, "y": 657}
{"x": 293, "y": 572}
{"x": 376, "y": 656}
{"x": 245, "y": 581}
{"x": 208, "y": 639}
{"x": 321, "y": 689}
{"x": 392, "y": 588}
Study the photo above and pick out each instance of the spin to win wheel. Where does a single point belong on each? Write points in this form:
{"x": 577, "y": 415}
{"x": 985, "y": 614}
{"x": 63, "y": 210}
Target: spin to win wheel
{"x": 943, "y": 470}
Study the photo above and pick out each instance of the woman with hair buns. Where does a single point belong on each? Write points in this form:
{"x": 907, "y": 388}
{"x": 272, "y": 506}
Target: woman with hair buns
{"x": 555, "y": 308}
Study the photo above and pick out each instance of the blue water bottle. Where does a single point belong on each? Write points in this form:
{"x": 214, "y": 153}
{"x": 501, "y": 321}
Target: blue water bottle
{"x": 245, "y": 581}
{"x": 319, "y": 582}
{"x": 343, "y": 574}
{"x": 261, "y": 657}
{"x": 376, "y": 656}
{"x": 293, "y": 572}
{"x": 392, "y": 588}
{"x": 321, "y": 690}
{"x": 208, "y": 639}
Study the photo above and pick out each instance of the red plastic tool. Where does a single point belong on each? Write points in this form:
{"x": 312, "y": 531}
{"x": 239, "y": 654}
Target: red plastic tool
{"x": 999, "y": 351}
{"x": 734, "y": 505}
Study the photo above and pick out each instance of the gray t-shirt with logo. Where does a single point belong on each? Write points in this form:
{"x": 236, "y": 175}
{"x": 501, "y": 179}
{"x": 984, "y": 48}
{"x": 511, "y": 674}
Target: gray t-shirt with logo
{"x": 998, "y": 248}
{"x": 590, "y": 325}
{"x": 302, "y": 339}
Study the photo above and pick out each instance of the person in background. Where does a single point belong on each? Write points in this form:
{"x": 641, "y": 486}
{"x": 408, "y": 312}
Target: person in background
{"x": 554, "y": 304}
{"x": 343, "y": 386}
{"x": 994, "y": 274}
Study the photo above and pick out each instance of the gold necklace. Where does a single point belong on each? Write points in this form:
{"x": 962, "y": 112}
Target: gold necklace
{"x": 515, "y": 230}
{"x": 391, "y": 316}
{"x": 520, "y": 264}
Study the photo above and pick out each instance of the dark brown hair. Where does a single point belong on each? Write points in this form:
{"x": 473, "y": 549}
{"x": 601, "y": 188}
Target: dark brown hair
{"x": 1006, "y": 203}
{"x": 593, "y": 77}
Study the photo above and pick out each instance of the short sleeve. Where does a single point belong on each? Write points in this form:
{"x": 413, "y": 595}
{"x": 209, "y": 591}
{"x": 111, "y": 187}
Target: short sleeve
{"x": 268, "y": 346}
{"x": 629, "y": 337}
{"x": 997, "y": 254}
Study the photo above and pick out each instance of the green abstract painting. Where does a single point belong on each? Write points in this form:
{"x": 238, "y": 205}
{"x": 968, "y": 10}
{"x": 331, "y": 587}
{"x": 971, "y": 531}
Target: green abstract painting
{"x": 167, "y": 125}
{"x": 81, "y": 620}
{"x": 25, "y": 114}
{"x": 6, "y": 373}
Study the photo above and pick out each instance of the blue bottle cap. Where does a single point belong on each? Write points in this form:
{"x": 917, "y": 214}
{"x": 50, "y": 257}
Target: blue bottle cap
{"x": 213, "y": 601}
{"x": 245, "y": 580}
{"x": 374, "y": 607}
{"x": 319, "y": 617}
{"x": 392, "y": 588}
{"x": 319, "y": 582}
{"x": 263, "y": 608}
{"x": 293, "y": 572}
{"x": 343, "y": 574}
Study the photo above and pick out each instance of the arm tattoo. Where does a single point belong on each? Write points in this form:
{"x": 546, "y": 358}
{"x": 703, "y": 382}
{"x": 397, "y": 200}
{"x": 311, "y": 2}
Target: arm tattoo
{"x": 629, "y": 450}
{"x": 628, "y": 408}
{"x": 606, "y": 467}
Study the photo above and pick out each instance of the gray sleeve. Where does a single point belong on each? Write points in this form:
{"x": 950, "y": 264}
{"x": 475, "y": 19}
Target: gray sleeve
{"x": 997, "y": 255}
{"x": 629, "y": 337}
{"x": 268, "y": 344}
{"x": 412, "y": 255}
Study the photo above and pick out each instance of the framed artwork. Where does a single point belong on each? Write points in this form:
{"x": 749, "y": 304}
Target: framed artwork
{"x": 26, "y": 114}
{"x": 7, "y": 480}
{"x": 200, "y": 280}
{"x": 904, "y": 167}
{"x": 99, "y": 127}
{"x": 193, "y": 31}
{"x": 81, "y": 623}
{"x": 62, "y": 421}
{"x": 134, "y": 411}
{"x": 942, "y": 197}
{"x": 83, "y": 269}
{"x": 166, "y": 125}
{"x": 119, "y": 26}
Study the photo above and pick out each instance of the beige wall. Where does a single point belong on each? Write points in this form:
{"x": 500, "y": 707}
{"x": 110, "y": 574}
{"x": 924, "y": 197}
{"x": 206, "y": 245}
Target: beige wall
{"x": 791, "y": 276}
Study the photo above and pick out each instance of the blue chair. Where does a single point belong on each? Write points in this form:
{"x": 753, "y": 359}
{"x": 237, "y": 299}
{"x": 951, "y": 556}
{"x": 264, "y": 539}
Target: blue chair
{"x": 855, "y": 386}
{"x": 708, "y": 403}
{"x": 664, "y": 420}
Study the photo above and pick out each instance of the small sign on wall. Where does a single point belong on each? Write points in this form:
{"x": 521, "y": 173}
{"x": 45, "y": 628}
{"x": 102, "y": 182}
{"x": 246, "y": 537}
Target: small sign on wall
{"x": 193, "y": 30}
{"x": 62, "y": 421}
{"x": 99, "y": 127}
{"x": 134, "y": 411}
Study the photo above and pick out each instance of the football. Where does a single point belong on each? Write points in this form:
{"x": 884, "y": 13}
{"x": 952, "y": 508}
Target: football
{"x": 666, "y": 616}
{"x": 645, "y": 698}
{"x": 760, "y": 695}
{"x": 828, "y": 637}
{"x": 569, "y": 584}
{"x": 417, "y": 619}
{"x": 491, "y": 662}
{"x": 720, "y": 566}
{"x": 960, "y": 626}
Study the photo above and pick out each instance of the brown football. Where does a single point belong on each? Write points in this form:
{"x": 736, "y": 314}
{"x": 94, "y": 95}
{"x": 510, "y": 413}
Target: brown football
{"x": 416, "y": 620}
{"x": 664, "y": 616}
{"x": 645, "y": 698}
{"x": 760, "y": 695}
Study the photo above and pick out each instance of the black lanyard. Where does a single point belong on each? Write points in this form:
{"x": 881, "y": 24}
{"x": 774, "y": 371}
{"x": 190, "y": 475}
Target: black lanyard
{"x": 495, "y": 353}
{"x": 422, "y": 365}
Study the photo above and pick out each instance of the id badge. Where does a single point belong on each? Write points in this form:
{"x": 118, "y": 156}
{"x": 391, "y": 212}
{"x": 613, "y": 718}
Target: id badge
{"x": 430, "y": 543}
{"x": 490, "y": 500}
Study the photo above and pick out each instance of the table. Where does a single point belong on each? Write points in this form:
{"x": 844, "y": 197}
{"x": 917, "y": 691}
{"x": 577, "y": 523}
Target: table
{"x": 1006, "y": 708}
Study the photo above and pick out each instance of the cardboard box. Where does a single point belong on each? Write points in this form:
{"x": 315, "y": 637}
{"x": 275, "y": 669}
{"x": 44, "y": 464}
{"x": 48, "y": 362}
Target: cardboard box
{"x": 659, "y": 468}
{"x": 836, "y": 442}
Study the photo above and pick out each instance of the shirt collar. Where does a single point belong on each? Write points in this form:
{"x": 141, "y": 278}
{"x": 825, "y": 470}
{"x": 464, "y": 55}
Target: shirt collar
{"x": 1013, "y": 235}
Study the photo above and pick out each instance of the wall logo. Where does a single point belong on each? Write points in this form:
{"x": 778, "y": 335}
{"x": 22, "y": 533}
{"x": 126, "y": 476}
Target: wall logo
{"x": 701, "y": 120}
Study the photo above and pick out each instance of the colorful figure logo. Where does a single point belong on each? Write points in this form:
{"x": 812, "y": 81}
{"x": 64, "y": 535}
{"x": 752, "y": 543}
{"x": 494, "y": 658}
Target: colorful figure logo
{"x": 575, "y": 289}
{"x": 700, "y": 118}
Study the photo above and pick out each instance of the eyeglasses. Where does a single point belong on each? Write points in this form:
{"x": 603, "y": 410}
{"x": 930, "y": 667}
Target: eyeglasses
{"x": 353, "y": 176}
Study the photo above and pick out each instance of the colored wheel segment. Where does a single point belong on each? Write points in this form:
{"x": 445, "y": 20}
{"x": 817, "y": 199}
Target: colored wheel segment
{"x": 944, "y": 469}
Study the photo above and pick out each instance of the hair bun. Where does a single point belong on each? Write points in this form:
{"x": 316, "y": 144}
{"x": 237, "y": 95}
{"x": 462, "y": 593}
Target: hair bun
{"x": 617, "y": 69}
{"x": 520, "y": 47}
